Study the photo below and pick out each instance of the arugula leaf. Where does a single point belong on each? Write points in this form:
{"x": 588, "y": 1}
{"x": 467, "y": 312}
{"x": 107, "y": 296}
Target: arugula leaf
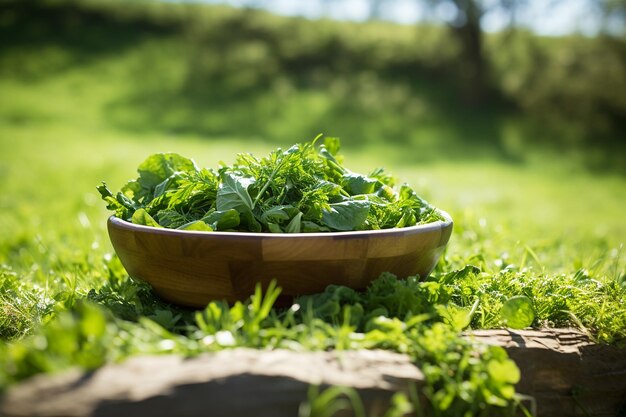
{"x": 233, "y": 193}
{"x": 295, "y": 224}
{"x": 356, "y": 184}
{"x": 198, "y": 225}
{"x": 141, "y": 216}
{"x": 311, "y": 227}
{"x": 347, "y": 215}
{"x": 276, "y": 214}
{"x": 121, "y": 204}
{"x": 169, "y": 183}
{"x": 249, "y": 223}
{"x": 223, "y": 220}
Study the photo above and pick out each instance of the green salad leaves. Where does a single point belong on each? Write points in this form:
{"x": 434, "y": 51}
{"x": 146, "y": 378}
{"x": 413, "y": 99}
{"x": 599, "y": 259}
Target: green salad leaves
{"x": 302, "y": 189}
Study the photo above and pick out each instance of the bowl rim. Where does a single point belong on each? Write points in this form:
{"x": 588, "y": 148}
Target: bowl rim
{"x": 437, "y": 225}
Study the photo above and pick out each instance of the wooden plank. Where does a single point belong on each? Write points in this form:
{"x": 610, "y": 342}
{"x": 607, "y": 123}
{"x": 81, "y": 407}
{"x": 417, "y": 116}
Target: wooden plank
{"x": 238, "y": 382}
{"x": 565, "y": 373}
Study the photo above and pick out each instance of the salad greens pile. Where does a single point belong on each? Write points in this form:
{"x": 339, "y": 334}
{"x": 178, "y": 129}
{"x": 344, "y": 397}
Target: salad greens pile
{"x": 303, "y": 189}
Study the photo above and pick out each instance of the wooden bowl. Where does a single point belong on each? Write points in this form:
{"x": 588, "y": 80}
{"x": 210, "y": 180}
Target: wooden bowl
{"x": 192, "y": 268}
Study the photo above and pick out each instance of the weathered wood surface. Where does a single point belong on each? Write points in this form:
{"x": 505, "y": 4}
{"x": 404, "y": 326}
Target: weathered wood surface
{"x": 240, "y": 382}
{"x": 565, "y": 373}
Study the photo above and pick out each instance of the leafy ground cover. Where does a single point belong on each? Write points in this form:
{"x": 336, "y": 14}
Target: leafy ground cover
{"x": 537, "y": 240}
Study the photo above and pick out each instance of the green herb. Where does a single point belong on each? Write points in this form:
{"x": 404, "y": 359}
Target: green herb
{"x": 303, "y": 189}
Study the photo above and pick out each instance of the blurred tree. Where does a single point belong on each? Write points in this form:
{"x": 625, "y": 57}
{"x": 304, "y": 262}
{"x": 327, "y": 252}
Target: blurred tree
{"x": 465, "y": 23}
{"x": 613, "y": 14}
{"x": 513, "y": 6}
{"x": 376, "y": 9}
{"x": 256, "y": 4}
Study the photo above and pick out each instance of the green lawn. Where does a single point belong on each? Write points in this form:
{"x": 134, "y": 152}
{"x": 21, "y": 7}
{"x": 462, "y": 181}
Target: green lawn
{"x": 540, "y": 226}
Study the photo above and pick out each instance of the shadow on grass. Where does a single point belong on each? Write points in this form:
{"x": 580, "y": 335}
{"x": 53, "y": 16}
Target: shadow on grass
{"x": 362, "y": 111}
{"x": 83, "y": 33}
{"x": 236, "y": 79}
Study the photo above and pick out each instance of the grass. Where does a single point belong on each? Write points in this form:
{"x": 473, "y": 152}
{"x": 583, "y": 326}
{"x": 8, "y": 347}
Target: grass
{"x": 525, "y": 227}
{"x": 539, "y": 226}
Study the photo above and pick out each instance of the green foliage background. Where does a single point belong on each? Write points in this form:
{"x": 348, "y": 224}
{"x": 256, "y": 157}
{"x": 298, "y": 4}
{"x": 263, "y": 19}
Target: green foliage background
{"x": 533, "y": 177}
{"x": 207, "y": 70}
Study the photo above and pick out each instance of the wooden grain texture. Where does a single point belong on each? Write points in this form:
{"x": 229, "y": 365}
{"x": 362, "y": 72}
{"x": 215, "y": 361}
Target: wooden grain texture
{"x": 239, "y": 382}
{"x": 192, "y": 268}
{"x": 566, "y": 374}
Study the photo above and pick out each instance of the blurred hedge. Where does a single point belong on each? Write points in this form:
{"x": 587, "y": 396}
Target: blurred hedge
{"x": 567, "y": 91}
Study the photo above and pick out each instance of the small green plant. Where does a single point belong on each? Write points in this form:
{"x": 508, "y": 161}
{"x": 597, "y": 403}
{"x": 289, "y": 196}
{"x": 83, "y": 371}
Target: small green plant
{"x": 399, "y": 315}
{"x": 302, "y": 189}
